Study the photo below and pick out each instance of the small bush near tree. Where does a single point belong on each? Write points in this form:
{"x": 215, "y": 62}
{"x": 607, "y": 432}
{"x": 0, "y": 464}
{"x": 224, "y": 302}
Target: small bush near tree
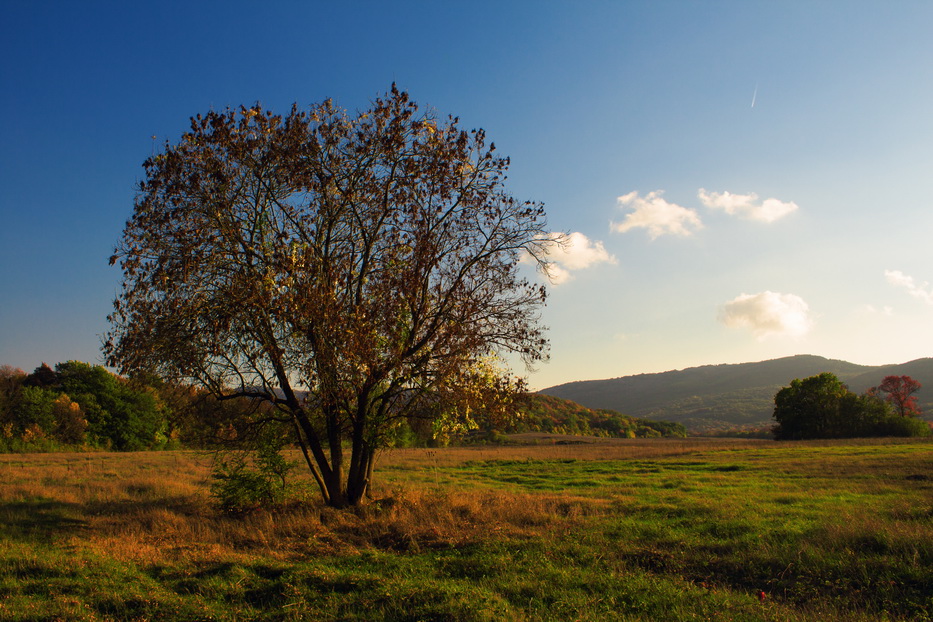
{"x": 248, "y": 480}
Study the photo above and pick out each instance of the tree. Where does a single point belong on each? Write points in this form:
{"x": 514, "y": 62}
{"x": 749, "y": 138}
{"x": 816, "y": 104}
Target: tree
{"x": 899, "y": 392}
{"x": 42, "y": 376}
{"x": 36, "y": 409}
{"x": 351, "y": 270}
{"x": 810, "y": 408}
{"x": 118, "y": 415}
{"x": 70, "y": 424}
{"x": 11, "y": 387}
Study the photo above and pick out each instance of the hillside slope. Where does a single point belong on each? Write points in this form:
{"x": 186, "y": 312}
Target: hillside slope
{"x": 716, "y": 397}
{"x": 547, "y": 413}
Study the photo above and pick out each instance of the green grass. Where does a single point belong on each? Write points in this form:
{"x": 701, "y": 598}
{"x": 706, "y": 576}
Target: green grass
{"x": 826, "y": 531}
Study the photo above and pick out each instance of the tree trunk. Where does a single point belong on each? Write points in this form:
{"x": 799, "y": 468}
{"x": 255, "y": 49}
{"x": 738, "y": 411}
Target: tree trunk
{"x": 358, "y": 477}
{"x": 336, "y": 496}
{"x": 329, "y": 474}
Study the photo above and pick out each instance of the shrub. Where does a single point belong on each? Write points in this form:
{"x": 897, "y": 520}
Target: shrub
{"x": 248, "y": 480}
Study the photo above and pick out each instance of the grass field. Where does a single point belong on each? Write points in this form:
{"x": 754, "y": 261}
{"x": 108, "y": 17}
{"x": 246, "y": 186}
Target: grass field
{"x": 680, "y": 529}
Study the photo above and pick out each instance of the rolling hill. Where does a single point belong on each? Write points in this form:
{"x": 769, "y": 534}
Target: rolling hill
{"x": 719, "y": 397}
{"x": 547, "y": 413}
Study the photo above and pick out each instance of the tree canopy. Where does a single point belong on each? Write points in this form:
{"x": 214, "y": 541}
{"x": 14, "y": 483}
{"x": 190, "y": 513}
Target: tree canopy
{"x": 351, "y": 270}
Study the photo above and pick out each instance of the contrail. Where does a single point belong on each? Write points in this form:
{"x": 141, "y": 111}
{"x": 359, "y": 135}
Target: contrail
{"x": 754, "y": 96}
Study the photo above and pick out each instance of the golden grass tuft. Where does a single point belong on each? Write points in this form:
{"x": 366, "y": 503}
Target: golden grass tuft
{"x": 414, "y": 519}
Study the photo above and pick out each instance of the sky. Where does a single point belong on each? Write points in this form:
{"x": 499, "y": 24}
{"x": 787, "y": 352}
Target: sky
{"x": 740, "y": 180}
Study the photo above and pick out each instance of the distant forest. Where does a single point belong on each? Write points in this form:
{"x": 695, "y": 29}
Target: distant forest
{"x": 546, "y": 413}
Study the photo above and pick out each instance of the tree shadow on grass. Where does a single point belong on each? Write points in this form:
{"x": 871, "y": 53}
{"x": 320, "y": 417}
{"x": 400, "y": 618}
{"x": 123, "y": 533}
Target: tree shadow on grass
{"x": 47, "y": 520}
{"x": 42, "y": 520}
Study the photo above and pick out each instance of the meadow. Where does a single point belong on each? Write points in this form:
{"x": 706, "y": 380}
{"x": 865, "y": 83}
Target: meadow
{"x": 659, "y": 529}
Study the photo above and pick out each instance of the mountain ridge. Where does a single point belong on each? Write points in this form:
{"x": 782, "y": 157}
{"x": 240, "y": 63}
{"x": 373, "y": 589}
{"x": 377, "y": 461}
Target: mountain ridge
{"x": 730, "y": 395}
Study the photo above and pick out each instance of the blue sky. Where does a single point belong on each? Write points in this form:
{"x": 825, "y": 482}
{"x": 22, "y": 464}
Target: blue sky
{"x": 745, "y": 180}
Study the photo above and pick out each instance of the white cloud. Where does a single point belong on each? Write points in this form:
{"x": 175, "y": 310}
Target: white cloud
{"x": 768, "y": 314}
{"x": 656, "y": 215}
{"x": 574, "y": 252}
{"x": 746, "y": 205}
{"x": 899, "y": 279}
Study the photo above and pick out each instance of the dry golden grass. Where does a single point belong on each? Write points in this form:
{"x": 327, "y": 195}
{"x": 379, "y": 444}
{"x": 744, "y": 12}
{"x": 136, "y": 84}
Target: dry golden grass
{"x": 155, "y": 507}
{"x": 411, "y": 521}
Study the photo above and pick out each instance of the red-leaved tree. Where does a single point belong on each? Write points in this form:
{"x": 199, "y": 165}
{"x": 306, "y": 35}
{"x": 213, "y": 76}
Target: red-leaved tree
{"x": 899, "y": 391}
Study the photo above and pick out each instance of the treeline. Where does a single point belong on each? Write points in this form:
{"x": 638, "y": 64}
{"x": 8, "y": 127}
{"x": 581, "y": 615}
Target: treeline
{"x": 822, "y": 406}
{"x": 546, "y": 413}
{"x": 78, "y": 406}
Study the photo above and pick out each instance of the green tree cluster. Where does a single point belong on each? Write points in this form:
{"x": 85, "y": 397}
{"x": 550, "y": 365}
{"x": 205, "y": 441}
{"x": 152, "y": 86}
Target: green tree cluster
{"x": 822, "y": 406}
{"x": 78, "y": 405}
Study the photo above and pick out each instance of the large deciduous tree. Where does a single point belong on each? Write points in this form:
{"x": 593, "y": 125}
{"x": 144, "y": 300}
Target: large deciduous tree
{"x": 351, "y": 270}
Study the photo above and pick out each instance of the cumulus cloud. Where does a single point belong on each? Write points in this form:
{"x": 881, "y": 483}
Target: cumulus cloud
{"x": 574, "y": 252}
{"x": 653, "y": 213}
{"x": 747, "y": 205}
{"x": 768, "y": 314}
{"x": 899, "y": 279}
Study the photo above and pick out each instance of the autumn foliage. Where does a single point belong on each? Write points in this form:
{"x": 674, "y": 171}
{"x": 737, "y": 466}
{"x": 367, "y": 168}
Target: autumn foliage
{"x": 899, "y": 392}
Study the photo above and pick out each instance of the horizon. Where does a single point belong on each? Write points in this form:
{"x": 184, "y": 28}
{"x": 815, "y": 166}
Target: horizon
{"x": 647, "y": 373}
{"x": 741, "y": 182}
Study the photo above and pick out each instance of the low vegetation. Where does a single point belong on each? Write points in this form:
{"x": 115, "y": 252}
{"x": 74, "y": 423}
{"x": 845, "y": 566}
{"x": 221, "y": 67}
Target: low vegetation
{"x": 635, "y": 529}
